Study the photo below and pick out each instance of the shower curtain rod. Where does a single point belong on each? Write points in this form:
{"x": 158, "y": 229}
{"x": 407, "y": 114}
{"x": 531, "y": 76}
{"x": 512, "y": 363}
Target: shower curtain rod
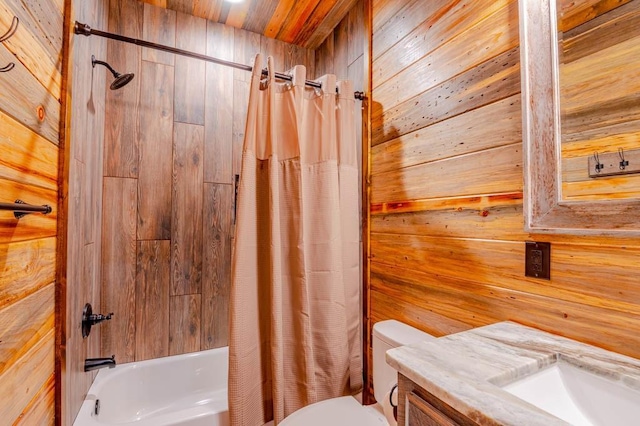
{"x": 86, "y": 30}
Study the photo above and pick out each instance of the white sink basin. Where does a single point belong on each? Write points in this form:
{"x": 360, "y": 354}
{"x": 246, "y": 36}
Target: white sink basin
{"x": 579, "y": 397}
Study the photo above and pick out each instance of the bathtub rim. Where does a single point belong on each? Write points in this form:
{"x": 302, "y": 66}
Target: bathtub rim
{"x": 85, "y": 413}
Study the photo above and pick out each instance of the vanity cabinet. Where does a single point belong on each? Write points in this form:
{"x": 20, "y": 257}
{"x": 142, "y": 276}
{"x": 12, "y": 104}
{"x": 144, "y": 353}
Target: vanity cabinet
{"x": 417, "y": 407}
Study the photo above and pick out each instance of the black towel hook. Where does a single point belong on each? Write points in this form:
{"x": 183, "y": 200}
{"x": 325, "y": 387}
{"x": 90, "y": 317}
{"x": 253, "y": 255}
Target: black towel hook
{"x": 623, "y": 163}
{"x": 11, "y": 31}
{"x": 599, "y": 165}
{"x": 6, "y": 36}
{"x": 8, "y": 67}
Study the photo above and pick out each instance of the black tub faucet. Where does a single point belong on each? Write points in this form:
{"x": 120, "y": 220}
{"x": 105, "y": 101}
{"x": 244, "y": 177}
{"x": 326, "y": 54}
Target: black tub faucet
{"x": 96, "y": 363}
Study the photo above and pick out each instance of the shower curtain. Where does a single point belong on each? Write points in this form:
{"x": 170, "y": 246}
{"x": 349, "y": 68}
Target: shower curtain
{"x": 294, "y": 313}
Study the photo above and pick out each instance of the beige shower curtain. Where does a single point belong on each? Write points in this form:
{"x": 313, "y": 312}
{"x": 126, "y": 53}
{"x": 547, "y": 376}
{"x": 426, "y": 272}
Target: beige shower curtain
{"x": 294, "y": 314}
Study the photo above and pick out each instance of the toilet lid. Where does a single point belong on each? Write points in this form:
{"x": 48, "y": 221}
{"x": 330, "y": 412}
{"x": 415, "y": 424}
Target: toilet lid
{"x": 344, "y": 411}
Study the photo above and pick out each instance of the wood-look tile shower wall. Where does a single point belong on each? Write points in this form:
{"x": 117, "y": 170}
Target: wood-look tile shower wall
{"x": 447, "y": 239}
{"x": 81, "y": 192}
{"x": 172, "y": 148}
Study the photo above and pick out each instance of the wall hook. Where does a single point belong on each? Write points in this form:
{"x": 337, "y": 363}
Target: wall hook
{"x": 599, "y": 165}
{"x": 11, "y": 31}
{"x": 6, "y": 36}
{"x": 623, "y": 163}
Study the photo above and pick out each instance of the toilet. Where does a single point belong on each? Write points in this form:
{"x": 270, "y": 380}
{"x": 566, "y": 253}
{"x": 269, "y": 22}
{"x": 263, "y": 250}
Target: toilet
{"x": 347, "y": 410}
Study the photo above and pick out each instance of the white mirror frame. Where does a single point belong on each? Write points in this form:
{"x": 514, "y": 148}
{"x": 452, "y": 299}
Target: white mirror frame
{"x": 544, "y": 209}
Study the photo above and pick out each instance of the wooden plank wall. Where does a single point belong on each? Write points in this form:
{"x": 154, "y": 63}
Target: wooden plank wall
{"x": 447, "y": 240}
{"x": 342, "y": 52}
{"x": 173, "y": 140}
{"x": 595, "y": 57}
{"x": 79, "y": 259}
{"x": 29, "y": 140}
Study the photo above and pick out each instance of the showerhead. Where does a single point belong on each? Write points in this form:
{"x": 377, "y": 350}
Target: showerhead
{"x": 121, "y": 80}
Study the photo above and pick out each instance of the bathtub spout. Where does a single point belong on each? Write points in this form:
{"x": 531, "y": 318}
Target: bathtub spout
{"x": 96, "y": 363}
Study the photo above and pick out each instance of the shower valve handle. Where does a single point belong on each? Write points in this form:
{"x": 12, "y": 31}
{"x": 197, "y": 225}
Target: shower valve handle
{"x": 98, "y": 318}
{"x": 89, "y": 319}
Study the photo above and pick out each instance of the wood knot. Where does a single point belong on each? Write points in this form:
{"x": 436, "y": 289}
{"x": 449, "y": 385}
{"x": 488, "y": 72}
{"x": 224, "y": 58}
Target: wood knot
{"x": 41, "y": 113}
{"x": 485, "y": 213}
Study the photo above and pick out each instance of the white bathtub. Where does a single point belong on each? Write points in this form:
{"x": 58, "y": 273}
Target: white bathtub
{"x": 184, "y": 390}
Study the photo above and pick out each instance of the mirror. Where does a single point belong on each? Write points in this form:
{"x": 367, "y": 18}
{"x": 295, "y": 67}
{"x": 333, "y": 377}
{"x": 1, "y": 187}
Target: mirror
{"x": 591, "y": 105}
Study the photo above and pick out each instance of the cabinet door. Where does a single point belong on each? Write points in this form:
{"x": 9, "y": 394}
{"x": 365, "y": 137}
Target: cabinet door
{"x": 417, "y": 407}
{"x": 421, "y": 413}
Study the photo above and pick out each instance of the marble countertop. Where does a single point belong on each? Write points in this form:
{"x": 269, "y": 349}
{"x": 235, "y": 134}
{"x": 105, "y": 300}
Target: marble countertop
{"x": 466, "y": 370}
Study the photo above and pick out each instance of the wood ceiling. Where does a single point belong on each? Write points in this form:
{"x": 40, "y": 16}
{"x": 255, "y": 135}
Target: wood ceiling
{"x": 303, "y": 22}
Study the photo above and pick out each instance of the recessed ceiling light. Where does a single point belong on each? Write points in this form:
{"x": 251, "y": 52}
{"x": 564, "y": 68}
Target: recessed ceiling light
{"x": 234, "y": 1}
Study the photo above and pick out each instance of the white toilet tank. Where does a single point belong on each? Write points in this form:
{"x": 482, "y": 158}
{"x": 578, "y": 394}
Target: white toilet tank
{"x": 388, "y": 335}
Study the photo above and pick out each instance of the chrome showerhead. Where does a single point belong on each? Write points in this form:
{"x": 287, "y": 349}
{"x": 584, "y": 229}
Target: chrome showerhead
{"x": 121, "y": 80}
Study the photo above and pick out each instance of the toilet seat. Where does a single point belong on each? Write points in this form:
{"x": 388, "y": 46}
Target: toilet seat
{"x": 343, "y": 411}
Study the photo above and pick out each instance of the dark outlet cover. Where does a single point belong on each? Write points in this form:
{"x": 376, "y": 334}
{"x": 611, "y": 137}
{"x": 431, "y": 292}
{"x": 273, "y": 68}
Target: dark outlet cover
{"x": 537, "y": 260}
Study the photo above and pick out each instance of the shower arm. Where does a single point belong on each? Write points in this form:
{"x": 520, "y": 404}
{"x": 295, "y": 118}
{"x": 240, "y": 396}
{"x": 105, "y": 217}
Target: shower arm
{"x": 86, "y": 30}
{"x": 94, "y": 61}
